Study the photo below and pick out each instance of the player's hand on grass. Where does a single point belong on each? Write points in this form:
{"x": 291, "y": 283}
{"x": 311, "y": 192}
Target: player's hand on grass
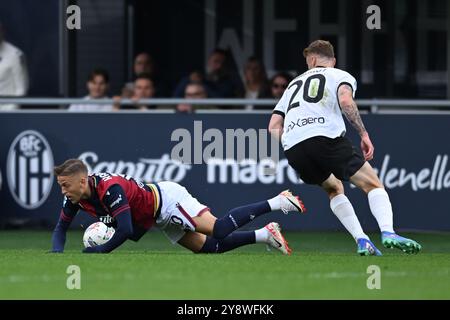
{"x": 367, "y": 147}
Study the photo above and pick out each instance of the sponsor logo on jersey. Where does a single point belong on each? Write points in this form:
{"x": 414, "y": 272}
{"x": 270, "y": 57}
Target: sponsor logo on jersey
{"x": 30, "y": 169}
{"x": 301, "y": 122}
{"x": 106, "y": 219}
{"x": 117, "y": 201}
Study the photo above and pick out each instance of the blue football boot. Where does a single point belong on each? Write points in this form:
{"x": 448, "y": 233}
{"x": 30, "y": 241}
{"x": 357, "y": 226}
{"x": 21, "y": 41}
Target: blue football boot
{"x": 367, "y": 248}
{"x": 392, "y": 240}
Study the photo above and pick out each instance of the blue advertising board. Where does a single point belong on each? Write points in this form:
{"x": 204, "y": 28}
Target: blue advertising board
{"x": 411, "y": 156}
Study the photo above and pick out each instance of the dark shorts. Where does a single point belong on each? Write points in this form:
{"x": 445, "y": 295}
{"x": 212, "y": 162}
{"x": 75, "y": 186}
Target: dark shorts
{"x": 316, "y": 158}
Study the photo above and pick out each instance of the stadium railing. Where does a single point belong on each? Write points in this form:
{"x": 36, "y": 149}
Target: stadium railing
{"x": 369, "y": 105}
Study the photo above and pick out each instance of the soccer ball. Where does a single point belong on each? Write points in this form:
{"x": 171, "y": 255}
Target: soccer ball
{"x": 96, "y": 234}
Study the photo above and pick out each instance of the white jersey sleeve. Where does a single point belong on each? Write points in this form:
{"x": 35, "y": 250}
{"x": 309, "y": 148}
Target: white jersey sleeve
{"x": 346, "y": 78}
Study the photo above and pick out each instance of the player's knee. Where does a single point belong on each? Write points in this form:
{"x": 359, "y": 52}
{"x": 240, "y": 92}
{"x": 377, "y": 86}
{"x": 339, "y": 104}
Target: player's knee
{"x": 211, "y": 245}
{"x": 371, "y": 187}
{"x": 331, "y": 195}
{"x": 371, "y": 184}
{"x": 334, "y": 190}
{"x": 220, "y": 229}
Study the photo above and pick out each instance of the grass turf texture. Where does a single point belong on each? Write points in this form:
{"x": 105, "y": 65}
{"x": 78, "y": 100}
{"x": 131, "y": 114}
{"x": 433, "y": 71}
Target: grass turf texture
{"x": 322, "y": 266}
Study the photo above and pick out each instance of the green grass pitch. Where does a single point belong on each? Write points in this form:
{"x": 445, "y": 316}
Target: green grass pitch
{"x": 322, "y": 266}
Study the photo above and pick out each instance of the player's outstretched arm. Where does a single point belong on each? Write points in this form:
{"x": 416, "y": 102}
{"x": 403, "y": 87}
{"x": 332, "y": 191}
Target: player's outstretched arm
{"x": 59, "y": 236}
{"x": 350, "y": 110}
{"x": 68, "y": 212}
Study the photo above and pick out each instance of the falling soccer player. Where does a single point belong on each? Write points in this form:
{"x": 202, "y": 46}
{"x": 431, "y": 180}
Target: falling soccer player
{"x": 132, "y": 208}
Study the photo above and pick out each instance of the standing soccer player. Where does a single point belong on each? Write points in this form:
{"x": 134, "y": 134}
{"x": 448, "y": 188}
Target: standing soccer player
{"x": 308, "y": 119}
{"x": 132, "y": 208}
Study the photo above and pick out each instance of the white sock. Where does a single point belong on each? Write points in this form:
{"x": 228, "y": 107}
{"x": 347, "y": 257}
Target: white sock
{"x": 343, "y": 209}
{"x": 275, "y": 203}
{"x": 381, "y": 209}
{"x": 261, "y": 235}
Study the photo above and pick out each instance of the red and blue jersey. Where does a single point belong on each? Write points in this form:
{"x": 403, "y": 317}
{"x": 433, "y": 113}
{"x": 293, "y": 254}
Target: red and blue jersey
{"x": 113, "y": 194}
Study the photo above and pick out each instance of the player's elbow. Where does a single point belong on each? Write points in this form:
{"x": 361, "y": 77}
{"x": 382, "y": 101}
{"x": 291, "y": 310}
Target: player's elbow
{"x": 122, "y": 233}
{"x": 126, "y": 233}
{"x": 345, "y": 102}
{"x": 345, "y": 98}
{"x": 129, "y": 234}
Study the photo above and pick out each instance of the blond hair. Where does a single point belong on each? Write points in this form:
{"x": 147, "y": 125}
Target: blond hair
{"x": 70, "y": 167}
{"x": 321, "y": 47}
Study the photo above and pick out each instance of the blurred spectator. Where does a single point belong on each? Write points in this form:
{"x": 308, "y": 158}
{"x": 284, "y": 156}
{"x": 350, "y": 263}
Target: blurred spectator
{"x": 193, "y": 90}
{"x": 218, "y": 80}
{"x": 13, "y": 71}
{"x": 143, "y": 89}
{"x": 256, "y": 82}
{"x": 145, "y": 64}
{"x": 278, "y": 84}
{"x": 97, "y": 86}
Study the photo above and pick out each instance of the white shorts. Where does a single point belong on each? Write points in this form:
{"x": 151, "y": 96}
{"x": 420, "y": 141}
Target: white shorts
{"x": 178, "y": 209}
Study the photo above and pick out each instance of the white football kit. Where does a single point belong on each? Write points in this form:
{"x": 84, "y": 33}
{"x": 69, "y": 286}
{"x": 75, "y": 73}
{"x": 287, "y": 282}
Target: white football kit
{"x": 178, "y": 209}
{"x": 310, "y": 105}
